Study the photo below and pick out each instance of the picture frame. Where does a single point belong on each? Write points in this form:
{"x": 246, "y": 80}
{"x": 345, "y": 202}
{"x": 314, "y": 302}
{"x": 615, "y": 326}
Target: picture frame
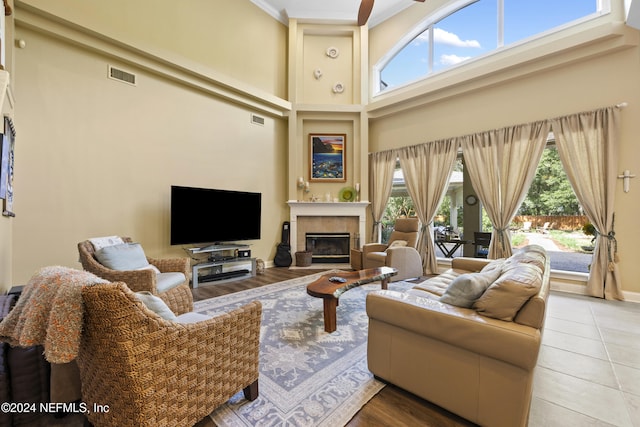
{"x": 7, "y": 151}
{"x": 327, "y": 157}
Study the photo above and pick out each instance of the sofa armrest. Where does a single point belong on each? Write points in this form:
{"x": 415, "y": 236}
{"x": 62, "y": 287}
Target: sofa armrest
{"x": 373, "y": 247}
{"x": 464, "y": 328}
{"x": 469, "y": 264}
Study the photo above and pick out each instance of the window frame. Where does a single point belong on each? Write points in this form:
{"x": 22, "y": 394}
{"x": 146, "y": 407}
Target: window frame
{"x": 603, "y": 7}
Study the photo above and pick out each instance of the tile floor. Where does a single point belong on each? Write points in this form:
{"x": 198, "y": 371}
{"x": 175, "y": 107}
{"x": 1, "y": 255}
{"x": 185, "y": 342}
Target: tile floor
{"x": 589, "y": 365}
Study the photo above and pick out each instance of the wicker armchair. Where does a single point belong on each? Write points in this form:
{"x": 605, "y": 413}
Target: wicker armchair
{"x": 154, "y": 372}
{"x": 179, "y": 299}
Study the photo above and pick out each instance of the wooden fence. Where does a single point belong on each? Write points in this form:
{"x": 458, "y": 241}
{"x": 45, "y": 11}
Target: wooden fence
{"x": 559, "y": 222}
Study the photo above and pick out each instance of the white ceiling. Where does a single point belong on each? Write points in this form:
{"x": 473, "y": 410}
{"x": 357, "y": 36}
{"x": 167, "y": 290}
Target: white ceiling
{"x": 338, "y": 11}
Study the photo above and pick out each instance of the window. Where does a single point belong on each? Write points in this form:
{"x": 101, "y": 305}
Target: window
{"x": 550, "y": 214}
{"x": 468, "y": 29}
{"x": 556, "y": 217}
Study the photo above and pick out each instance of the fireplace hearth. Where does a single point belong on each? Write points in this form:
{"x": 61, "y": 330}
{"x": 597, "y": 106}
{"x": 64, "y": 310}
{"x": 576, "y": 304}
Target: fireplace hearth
{"x": 328, "y": 247}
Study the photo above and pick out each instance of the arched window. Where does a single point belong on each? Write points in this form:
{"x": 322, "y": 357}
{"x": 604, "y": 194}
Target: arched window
{"x": 466, "y": 29}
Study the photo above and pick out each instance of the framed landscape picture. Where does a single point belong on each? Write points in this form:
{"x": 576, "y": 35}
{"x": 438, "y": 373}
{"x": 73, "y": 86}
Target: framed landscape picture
{"x": 327, "y": 159}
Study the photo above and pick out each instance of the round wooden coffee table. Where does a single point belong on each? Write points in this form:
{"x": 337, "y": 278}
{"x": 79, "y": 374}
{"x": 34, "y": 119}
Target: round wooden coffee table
{"x": 329, "y": 287}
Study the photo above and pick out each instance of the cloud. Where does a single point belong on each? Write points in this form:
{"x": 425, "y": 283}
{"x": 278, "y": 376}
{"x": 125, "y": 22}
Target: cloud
{"x": 445, "y": 37}
{"x": 452, "y": 59}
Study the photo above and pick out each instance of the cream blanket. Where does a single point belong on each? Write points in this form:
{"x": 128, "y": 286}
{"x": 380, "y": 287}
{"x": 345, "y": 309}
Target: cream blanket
{"x": 50, "y": 312}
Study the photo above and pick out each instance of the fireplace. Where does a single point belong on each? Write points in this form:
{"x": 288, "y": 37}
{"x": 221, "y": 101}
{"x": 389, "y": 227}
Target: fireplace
{"x": 328, "y": 217}
{"x": 328, "y": 247}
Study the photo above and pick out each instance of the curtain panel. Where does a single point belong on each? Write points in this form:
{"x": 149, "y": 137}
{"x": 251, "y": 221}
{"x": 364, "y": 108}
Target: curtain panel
{"x": 427, "y": 169}
{"x": 587, "y": 146}
{"x": 381, "y": 168}
{"x": 502, "y": 164}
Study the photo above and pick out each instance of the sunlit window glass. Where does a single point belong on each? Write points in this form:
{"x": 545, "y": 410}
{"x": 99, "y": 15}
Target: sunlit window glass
{"x": 470, "y": 32}
{"x": 524, "y": 19}
{"x": 409, "y": 64}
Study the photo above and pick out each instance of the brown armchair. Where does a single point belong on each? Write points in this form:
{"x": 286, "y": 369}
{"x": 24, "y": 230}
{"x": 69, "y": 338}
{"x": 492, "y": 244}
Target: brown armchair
{"x": 155, "y": 372}
{"x": 178, "y": 298}
{"x": 405, "y": 258}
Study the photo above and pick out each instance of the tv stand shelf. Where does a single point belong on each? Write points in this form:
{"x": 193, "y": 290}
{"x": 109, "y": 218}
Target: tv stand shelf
{"x": 222, "y": 264}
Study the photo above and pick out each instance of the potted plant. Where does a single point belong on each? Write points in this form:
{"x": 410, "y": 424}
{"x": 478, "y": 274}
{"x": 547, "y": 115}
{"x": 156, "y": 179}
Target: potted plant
{"x": 589, "y": 230}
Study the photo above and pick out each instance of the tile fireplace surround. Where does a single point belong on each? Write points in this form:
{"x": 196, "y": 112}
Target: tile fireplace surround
{"x": 326, "y": 217}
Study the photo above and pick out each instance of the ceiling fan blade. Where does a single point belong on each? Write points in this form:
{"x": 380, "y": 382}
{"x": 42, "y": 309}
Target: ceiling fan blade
{"x": 366, "y": 6}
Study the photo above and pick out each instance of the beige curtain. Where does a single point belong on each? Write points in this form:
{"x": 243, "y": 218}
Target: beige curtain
{"x": 381, "y": 168}
{"x": 587, "y": 145}
{"x": 427, "y": 168}
{"x": 501, "y": 164}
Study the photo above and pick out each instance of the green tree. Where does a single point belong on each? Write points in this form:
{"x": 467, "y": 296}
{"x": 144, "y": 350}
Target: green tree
{"x": 550, "y": 192}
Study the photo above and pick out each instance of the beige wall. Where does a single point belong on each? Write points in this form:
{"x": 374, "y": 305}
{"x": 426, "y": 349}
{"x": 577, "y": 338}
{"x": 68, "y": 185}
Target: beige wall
{"x": 97, "y": 157}
{"x": 597, "y": 74}
{"x": 234, "y": 38}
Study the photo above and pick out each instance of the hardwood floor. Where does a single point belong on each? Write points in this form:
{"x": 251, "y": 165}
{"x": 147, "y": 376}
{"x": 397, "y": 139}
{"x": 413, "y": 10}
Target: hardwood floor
{"x": 391, "y": 407}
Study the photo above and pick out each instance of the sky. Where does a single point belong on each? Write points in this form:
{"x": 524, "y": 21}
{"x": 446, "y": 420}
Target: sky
{"x": 472, "y": 31}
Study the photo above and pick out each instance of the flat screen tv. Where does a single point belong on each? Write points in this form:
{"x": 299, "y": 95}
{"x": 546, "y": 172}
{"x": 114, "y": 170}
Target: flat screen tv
{"x": 207, "y": 215}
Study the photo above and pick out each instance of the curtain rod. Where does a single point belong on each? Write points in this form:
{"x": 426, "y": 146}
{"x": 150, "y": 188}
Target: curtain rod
{"x": 622, "y": 105}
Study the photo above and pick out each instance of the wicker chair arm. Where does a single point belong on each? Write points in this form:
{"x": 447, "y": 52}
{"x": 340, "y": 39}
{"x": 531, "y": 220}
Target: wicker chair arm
{"x": 167, "y": 265}
{"x": 136, "y": 280}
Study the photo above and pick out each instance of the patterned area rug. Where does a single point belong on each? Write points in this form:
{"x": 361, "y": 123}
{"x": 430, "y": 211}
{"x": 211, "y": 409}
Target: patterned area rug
{"x": 308, "y": 377}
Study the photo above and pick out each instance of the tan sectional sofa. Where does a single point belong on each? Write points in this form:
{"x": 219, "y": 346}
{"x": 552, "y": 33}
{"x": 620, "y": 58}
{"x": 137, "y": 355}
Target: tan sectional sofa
{"x": 475, "y": 359}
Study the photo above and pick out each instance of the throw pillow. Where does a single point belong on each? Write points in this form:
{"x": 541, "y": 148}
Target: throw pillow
{"x": 397, "y": 244}
{"x": 156, "y": 304}
{"x": 123, "y": 257}
{"x": 504, "y": 298}
{"x": 465, "y": 289}
{"x": 495, "y": 264}
{"x": 102, "y": 242}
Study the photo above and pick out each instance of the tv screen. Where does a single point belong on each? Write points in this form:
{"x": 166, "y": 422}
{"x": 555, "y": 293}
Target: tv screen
{"x": 206, "y": 215}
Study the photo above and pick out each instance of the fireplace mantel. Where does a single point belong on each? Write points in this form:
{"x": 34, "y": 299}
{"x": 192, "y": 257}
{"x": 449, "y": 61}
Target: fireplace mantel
{"x": 325, "y": 209}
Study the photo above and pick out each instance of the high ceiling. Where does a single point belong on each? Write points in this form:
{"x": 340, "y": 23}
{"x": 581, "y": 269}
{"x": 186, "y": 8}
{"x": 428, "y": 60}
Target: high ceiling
{"x": 339, "y": 11}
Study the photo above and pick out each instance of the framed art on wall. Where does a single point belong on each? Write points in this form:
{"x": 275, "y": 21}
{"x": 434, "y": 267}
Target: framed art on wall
{"x": 6, "y": 166}
{"x": 327, "y": 159}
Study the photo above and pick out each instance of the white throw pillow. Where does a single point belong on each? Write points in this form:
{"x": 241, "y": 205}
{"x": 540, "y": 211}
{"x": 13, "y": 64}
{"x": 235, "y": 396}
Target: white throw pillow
{"x": 102, "y": 242}
{"x": 156, "y": 304}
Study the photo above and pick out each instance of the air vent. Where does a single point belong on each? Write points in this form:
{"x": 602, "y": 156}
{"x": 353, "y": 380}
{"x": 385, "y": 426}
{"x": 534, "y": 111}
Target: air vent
{"x": 257, "y": 120}
{"x": 122, "y": 76}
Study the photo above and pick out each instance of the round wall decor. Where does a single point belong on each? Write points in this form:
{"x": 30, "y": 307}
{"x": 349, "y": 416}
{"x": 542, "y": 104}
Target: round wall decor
{"x": 333, "y": 52}
{"x": 471, "y": 200}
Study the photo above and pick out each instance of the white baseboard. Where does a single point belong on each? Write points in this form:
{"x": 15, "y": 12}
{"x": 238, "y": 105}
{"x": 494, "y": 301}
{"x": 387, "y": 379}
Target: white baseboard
{"x": 581, "y": 289}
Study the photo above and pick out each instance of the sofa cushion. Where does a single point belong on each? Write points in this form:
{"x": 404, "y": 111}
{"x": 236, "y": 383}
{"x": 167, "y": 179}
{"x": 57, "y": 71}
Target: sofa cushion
{"x": 510, "y": 292}
{"x": 192, "y": 317}
{"x": 494, "y": 264}
{"x": 465, "y": 289}
{"x": 435, "y": 287}
{"x": 155, "y": 304}
{"x": 526, "y": 257}
{"x": 123, "y": 257}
